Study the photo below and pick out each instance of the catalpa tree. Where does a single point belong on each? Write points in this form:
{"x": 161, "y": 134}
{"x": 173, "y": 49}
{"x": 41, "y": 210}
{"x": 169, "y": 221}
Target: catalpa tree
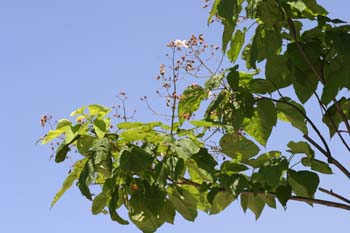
{"x": 213, "y": 152}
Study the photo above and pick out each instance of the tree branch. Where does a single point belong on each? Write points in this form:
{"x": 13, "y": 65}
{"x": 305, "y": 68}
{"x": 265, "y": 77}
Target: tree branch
{"x": 326, "y": 151}
{"x": 332, "y": 122}
{"x": 331, "y": 193}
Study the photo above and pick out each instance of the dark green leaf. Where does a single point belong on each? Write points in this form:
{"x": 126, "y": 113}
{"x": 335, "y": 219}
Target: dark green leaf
{"x": 271, "y": 175}
{"x": 85, "y": 179}
{"x": 61, "y": 152}
{"x": 221, "y": 201}
{"x": 278, "y": 72}
{"x": 261, "y": 86}
{"x": 84, "y": 144}
{"x": 332, "y": 115}
{"x": 136, "y": 160}
{"x": 113, "y": 206}
{"x": 266, "y": 43}
{"x": 233, "y": 77}
{"x": 283, "y": 193}
{"x": 304, "y": 183}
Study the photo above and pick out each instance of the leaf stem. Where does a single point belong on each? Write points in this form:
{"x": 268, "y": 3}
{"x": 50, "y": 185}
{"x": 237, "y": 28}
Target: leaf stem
{"x": 174, "y": 95}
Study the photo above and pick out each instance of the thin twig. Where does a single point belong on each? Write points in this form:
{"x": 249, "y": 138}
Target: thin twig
{"x": 201, "y": 61}
{"x": 332, "y": 122}
{"x": 174, "y": 95}
{"x": 325, "y": 151}
{"x": 330, "y": 192}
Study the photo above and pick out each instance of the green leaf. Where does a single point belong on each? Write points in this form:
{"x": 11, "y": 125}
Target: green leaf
{"x": 261, "y": 86}
{"x": 202, "y": 166}
{"x": 263, "y": 159}
{"x": 269, "y": 13}
{"x": 301, "y": 148}
{"x": 102, "y": 149}
{"x": 238, "y": 147}
{"x": 190, "y": 101}
{"x": 99, "y": 203}
{"x": 184, "y": 203}
{"x": 205, "y": 160}
{"x": 130, "y": 125}
{"x": 271, "y": 174}
{"x": 52, "y": 134}
{"x": 278, "y": 72}
{"x": 233, "y": 77}
{"x": 213, "y": 10}
{"x": 283, "y": 194}
{"x": 204, "y": 123}
{"x": 98, "y": 110}
{"x": 237, "y": 42}
{"x": 61, "y": 152}
{"x": 100, "y": 127}
{"x": 292, "y": 112}
{"x": 79, "y": 111}
{"x": 168, "y": 212}
{"x": 228, "y": 10}
{"x": 84, "y": 144}
{"x": 266, "y": 43}
{"x": 214, "y": 81}
{"x": 63, "y": 123}
{"x": 230, "y": 167}
{"x": 68, "y": 182}
{"x": 305, "y": 84}
{"x": 268, "y": 199}
{"x": 221, "y": 201}
{"x": 185, "y": 148}
{"x": 303, "y": 78}
{"x": 113, "y": 206}
{"x": 260, "y": 125}
{"x": 332, "y": 115}
{"x": 85, "y": 179}
{"x": 317, "y": 165}
{"x": 253, "y": 202}
{"x": 304, "y": 183}
{"x": 136, "y": 160}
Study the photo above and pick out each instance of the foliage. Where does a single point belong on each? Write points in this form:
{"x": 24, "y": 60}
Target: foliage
{"x": 155, "y": 170}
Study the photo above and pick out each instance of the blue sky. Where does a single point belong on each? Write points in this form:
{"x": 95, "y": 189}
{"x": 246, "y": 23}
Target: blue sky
{"x": 58, "y": 55}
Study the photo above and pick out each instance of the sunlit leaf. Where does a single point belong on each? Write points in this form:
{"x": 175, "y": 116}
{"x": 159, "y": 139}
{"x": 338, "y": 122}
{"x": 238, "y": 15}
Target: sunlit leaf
{"x": 238, "y": 147}
{"x": 77, "y": 168}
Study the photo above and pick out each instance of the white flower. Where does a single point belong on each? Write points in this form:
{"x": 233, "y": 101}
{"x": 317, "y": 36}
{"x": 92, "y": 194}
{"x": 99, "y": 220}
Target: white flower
{"x": 180, "y": 43}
